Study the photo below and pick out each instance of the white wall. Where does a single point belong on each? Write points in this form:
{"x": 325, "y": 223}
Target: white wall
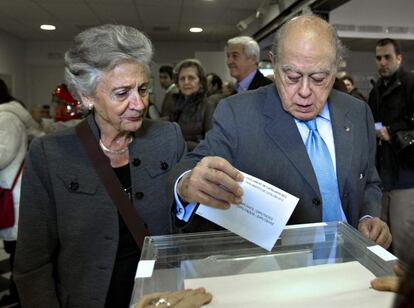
{"x": 361, "y": 66}
{"x": 44, "y": 63}
{"x": 42, "y": 80}
{"x": 172, "y": 52}
{"x": 378, "y": 12}
{"x": 214, "y": 62}
{"x": 12, "y": 55}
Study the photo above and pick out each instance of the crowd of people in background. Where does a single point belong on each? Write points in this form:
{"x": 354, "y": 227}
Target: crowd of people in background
{"x": 181, "y": 121}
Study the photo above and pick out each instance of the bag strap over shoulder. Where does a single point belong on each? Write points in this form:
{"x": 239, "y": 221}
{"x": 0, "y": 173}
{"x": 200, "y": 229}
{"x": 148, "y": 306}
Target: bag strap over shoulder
{"x": 17, "y": 175}
{"x": 112, "y": 184}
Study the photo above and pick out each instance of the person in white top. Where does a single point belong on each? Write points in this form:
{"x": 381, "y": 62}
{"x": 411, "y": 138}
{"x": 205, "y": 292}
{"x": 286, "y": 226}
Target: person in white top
{"x": 17, "y": 127}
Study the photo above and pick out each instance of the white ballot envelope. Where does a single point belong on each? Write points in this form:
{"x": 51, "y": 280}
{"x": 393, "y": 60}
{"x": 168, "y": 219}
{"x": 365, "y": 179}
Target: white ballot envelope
{"x": 262, "y": 215}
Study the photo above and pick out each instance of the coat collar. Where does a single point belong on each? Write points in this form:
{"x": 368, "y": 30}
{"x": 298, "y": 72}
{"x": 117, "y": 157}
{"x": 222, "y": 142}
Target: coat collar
{"x": 144, "y": 150}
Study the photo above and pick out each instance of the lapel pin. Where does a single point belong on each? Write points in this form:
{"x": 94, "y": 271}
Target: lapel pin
{"x": 347, "y": 129}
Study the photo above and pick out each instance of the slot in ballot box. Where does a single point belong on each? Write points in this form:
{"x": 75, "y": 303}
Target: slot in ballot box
{"x": 322, "y": 252}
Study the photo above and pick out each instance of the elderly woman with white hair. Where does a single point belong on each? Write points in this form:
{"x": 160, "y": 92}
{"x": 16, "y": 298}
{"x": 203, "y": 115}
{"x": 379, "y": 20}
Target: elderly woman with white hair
{"x": 77, "y": 243}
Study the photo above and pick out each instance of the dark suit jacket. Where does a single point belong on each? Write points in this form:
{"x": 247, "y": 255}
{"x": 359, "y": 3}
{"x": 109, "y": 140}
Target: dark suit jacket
{"x": 254, "y": 133}
{"x": 68, "y": 228}
{"x": 259, "y": 80}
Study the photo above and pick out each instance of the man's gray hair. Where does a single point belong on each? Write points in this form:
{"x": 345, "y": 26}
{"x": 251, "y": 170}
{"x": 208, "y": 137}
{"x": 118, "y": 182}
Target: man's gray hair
{"x": 250, "y": 47}
{"x": 100, "y": 49}
{"x": 335, "y": 41}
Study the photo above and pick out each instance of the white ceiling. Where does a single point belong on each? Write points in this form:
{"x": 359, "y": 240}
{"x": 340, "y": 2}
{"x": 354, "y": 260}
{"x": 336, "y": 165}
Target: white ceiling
{"x": 169, "y": 20}
{"x": 162, "y": 20}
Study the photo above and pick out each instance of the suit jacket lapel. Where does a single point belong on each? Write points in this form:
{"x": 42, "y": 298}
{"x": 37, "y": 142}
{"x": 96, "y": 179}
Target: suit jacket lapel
{"x": 343, "y": 133}
{"x": 255, "y": 83}
{"x": 282, "y": 130}
{"x": 140, "y": 144}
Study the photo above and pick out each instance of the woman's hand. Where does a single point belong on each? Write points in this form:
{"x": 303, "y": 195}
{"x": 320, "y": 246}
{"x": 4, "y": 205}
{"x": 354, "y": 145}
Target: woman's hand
{"x": 189, "y": 298}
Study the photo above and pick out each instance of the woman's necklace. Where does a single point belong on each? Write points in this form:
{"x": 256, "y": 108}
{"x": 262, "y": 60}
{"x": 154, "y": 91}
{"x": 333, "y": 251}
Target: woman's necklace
{"x": 114, "y": 152}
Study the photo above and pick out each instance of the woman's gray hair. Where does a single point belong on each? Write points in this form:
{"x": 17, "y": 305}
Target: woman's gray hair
{"x": 250, "y": 47}
{"x": 335, "y": 41}
{"x": 100, "y": 49}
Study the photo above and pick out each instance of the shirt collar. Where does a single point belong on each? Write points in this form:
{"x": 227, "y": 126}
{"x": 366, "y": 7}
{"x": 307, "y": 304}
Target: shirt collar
{"x": 243, "y": 85}
{"x": 325, "y": 112}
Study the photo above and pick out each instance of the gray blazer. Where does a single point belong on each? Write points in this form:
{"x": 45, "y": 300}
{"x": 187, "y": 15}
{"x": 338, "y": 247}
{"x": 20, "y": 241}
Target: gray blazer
{"x": 253, "y": 132}
{"x": 68, "y": 228}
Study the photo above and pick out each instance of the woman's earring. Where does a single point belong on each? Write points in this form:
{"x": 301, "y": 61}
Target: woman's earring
{"x": 90, "y": 106}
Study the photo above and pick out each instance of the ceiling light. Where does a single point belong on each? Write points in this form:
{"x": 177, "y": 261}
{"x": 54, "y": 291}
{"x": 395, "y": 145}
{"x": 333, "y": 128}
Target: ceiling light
{"x": 196, "y": 29}
{"x": 48, "y": 27}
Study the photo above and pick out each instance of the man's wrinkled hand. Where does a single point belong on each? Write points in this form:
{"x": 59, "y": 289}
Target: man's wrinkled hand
{"x": 213, "y": 182}
{"x": 376, "y": 230}
{"x": 383, "y": 134}
{"x": 389, "y": 283}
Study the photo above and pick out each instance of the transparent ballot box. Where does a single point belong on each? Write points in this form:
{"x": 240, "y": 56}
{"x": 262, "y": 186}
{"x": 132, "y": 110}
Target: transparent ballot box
{"x": 167, "y": 262}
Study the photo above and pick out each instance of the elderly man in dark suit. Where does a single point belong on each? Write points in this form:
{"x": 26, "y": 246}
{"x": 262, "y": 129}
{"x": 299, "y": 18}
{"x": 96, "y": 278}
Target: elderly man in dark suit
{"x": 268, "y": 133}
{"x": 243, "y": 54}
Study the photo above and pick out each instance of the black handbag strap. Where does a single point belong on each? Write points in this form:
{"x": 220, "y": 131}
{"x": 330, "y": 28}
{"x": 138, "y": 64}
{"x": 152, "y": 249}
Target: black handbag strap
{"x": 103, "y": 168}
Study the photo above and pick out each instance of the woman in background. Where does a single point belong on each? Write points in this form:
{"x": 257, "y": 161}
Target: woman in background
{"x": 192, "y": 110}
